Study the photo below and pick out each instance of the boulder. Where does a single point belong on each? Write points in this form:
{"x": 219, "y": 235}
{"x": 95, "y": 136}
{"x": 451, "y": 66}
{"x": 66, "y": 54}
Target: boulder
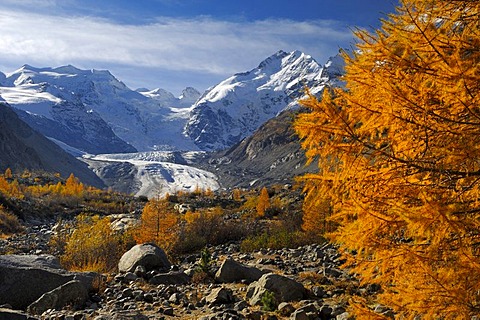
{"x": 285, "y": 289}
{"x": 232, "y": 271}
{"x": 25, "y": 278}
{"x": 171, "y": 278}
{"x": 148, "y": 255}
{"x": 72, "y": 293}
{"x": 219, "y": 296}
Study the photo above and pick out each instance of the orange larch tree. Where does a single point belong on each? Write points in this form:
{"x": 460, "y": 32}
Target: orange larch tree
{"x": 159, "y": 224}
{"x": 399, "y": 159}
{"x": 263, "y": 202}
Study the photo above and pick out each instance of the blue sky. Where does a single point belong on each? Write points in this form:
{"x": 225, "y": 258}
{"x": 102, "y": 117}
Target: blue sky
{"x": 172, "y": 44}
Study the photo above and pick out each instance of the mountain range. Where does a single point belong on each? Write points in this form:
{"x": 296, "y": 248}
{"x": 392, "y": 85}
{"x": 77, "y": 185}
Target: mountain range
{"x": 90, "y": 112}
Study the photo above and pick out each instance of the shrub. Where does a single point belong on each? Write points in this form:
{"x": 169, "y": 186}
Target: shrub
{"x": 93, "y": 246}
{"x": 276, "y": 239}
{"x": 269, "y": 303}
{"x": 208, "y": 227}
{"x": 9, "y": 223}
{"x": 205, "y": 262}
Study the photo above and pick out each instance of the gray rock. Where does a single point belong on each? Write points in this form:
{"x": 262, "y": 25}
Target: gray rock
{"x": 123, "y": 315}
{"x": 130, "y": 276}
{"x": 318, "y": 292}
{"x": 175, "y": 278}
{"x": 285, "y": 289}
{"x": 285, "y": 308}
{"x": 300, "y": 315}
{"x": 25, "y": 278}
{"x": 175, "y": 298}
{"x": 127, "y": 293}
{"x": 72, "y": 293}
{"x": 232, "y": 271}
{"x": 148, "y": 255}
{"x": 343, "y": 316}
{"x": 220, "y": 296}
{"x": 8, "y": 314}
{"x": 140, "y": 271}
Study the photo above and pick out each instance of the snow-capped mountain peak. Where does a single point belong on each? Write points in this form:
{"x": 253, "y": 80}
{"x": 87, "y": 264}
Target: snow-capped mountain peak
{"x": 92, "y": 110}
{"x": 189, "y": 96}
{"x": 237, "y": 106}
{"x": 167, "y": 99}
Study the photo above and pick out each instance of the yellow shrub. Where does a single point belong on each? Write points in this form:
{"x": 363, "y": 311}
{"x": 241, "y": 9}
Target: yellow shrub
{"x": 9, "y": 223}
{"x": 93, "y": 246}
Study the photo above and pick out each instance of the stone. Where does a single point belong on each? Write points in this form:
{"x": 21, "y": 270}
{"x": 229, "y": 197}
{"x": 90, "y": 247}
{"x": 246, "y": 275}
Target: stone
{"x": 318, "y": 292}
{"x": 129, "y": 315}
{"x": 72, "y": 293}
{"x": 285, "y": 289}
{"x": 140, "y": 271}
{"x": 170, "y": 278}
{"x": 300, "y": 315}
{"x": 130, "y": 276}
{"x": 220, "y": 296}
{"x": 232, "y": 271}
{"x": 127, "y": 293}
{"x": 168, "y": 312}
{"x": 285, "y": 309}
{"x": 343, "y": 316}
{"x": 147, "y": 255}
{"x": 8, "y": 314}
{"x": 175, "y": 298}
{"x": 25, "y": 278}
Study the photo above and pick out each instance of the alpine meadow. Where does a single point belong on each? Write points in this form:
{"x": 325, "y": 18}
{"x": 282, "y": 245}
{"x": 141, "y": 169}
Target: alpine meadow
{"x": 398, "y": 152}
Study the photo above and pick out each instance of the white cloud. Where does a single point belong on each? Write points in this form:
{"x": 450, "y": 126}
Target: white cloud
{"x": 201, "y": 45}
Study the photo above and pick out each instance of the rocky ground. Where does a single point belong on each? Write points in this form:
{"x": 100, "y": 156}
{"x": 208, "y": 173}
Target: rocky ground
{"x": 307, "y": 284}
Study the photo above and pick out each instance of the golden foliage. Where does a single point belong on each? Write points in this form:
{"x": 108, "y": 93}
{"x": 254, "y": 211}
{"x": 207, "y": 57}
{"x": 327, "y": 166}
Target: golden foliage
{"x": 263, "y": 202}
{"x": 316, "y": 211}
{"x": 237, "y": 194}
{"x": 399, "y": 158}
{"x": 8, "y": 174}
{"x": 10, "y": 189}
{"x": 159, "y": 224}
{"x": 73, "y": 187}
{"x": 9, "y": 223}
{"x": 93, "y": 246}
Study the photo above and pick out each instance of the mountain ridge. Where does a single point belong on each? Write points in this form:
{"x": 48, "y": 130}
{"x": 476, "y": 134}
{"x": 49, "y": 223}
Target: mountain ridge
{"x": 93, "y": 111}
{"x": 245, "y": 119}
{"x": 237, "y": 106}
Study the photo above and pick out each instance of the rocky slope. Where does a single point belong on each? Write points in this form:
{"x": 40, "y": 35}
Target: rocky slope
{"x": 23, "y": 148}
{"x": 271, "y": 155}
{"x": 306, "y": 282}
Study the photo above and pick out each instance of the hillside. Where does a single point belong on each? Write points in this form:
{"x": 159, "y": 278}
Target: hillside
{"x": 23, "y": 148}
{"x": 271, "y": 155}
